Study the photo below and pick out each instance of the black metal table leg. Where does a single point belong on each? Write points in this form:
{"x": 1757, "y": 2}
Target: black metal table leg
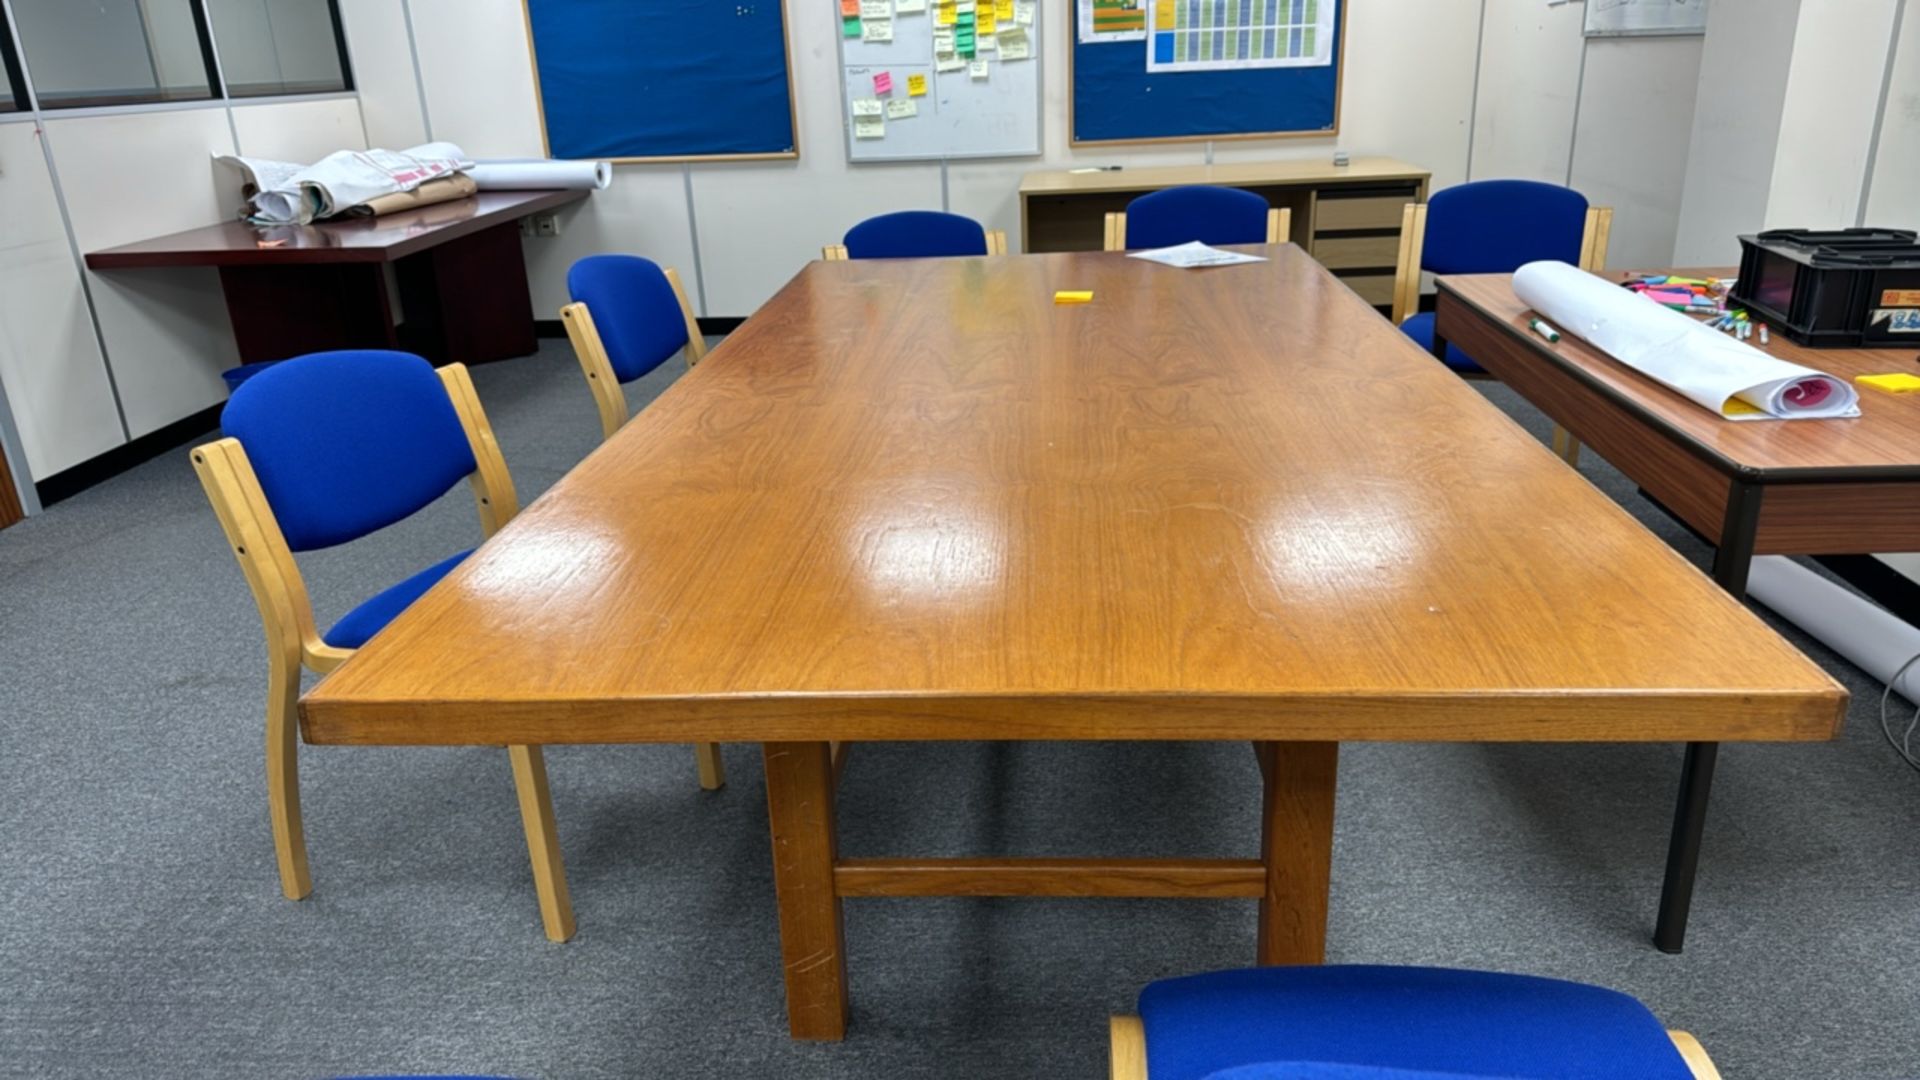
{"x": 1731, "y": 562}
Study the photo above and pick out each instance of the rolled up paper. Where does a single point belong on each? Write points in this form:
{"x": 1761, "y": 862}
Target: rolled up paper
{"x": 1733, "y": 379}
{"x": 541, "y": 175}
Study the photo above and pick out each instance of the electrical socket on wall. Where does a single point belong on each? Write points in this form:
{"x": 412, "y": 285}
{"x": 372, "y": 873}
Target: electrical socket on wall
{"x": 546, "y": 225}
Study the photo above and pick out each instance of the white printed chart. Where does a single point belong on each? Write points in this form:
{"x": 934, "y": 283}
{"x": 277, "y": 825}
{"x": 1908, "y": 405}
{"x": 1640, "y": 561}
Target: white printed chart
{"x": 1225, "y": 35}
{"x": 900, "y": 105}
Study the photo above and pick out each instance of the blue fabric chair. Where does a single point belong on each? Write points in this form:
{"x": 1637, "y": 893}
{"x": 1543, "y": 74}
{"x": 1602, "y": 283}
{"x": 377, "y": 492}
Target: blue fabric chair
{"x": 1392, "y": 1023}
{"x": 629, "y": 315}
{"x": 324, "y": 449}
{"x": 1492, "y": 227}
{"x": 917, "y": 234}
{"x": 1180, "y": 215}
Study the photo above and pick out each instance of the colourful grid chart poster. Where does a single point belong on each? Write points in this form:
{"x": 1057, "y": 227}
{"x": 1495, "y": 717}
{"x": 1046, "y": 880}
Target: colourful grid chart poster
{"x": 1220, "y": 35}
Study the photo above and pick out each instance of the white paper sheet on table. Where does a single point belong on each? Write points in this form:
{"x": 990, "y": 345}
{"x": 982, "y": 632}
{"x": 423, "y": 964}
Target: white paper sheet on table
{"x": 291, "y": 194}
{"x": 1194, "y": 253}
{"x": 1731, "y": 378}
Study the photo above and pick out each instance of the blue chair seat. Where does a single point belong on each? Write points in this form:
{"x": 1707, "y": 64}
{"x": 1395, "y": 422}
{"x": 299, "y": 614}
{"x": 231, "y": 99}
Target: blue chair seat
{"x": 1326, "y": 1070}
{"x": 1420, "y": 328}
{"x": 358, "y": 626}
{"x": 1472, "y": 1023}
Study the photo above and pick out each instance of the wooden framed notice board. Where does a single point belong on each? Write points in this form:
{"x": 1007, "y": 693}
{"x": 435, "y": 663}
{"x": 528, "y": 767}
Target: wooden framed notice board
{"x": 650, "y": 80}
{"x": 1189, "y": 70}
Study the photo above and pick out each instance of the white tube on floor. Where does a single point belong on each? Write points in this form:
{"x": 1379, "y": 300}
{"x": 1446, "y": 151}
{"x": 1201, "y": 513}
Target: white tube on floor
{"x": 1876, "y": 641}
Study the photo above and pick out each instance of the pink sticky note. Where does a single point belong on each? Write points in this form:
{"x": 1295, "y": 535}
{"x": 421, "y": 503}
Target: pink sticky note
{"x": 883, "y": 83}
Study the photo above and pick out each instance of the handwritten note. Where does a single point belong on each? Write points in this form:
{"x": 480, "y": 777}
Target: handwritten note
{"x": 876, "y": 9}
{"x": 869, "y": 127}
{"x": 849, "y": 9}
{"x": 948, "y": 62}
{"x": 1003, "y": 10}
{"x": 909, "y": 7}
{"x": 867, "y": 107}
{"x": 985, "y": 20}
{"x": 900, "y": 110}
{"x": 883, "y": 83}
{"x": 977, "y": 71}
{"x": 1023, "y": 12}
{"x": 850, "y": 26}
{"x": 943, "y": 41}
{"x": 984, "y": 44}
{"x": 1015, "y": 45}
{"x": 917, "y": 85}
{"x": 946, "y": 15}
{"x": 877, "y": 30}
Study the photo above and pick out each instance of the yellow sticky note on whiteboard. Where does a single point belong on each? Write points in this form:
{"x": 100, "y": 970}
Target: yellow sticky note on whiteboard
{"x": 1066, "y": 296}
{"x": 946, "y": 15}
{"x": 1003, "y": 10}
{"x": 916, "y": 86}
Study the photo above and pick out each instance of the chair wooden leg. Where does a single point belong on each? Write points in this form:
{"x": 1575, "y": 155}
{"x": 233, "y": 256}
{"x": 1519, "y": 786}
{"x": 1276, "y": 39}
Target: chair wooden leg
{"x": 283, "y": 778}
{"x": 713, "y": 768}
{"x": 543, "y": 840}
{"x": 1566, "y": 446}
{"x": 1128, "y": 1056}
{"x": 1695, "y": 1055}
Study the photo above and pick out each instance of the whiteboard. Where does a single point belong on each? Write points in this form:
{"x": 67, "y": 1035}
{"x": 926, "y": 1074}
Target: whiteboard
{"x": 960, "y": 117}
{"x": 1623, "y": 18}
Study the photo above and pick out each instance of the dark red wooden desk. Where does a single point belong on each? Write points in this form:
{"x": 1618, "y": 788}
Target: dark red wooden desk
{"x": 296, "y": 289}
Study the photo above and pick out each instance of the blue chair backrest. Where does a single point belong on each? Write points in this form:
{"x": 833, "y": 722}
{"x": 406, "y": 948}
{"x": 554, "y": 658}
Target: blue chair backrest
{"x": 1498, "y": 226}
{"x": 346, "y": 443}
{"x": 915, "y": 234}
{"x": 1331, "y": 1070}
{"x": 1211, "y": 215}
{"x": 634, "y": 308}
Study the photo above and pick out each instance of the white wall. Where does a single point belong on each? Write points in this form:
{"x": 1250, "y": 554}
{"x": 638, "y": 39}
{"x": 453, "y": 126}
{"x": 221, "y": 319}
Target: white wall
{"x": 1894, "y": 198}
{"x": 1826, "y": 122}
{"x": 1408, "y": 93}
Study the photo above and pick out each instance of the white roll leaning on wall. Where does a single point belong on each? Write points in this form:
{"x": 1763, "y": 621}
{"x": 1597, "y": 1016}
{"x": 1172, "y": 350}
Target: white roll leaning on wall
{"x": 1872, "y": 638}
{"x": 540, "y": 173}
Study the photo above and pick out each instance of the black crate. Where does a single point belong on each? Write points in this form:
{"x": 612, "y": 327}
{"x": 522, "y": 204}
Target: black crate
{"x": 1840, "y": 288}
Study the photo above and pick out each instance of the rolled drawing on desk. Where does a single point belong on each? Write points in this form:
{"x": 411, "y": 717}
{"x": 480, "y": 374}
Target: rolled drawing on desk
{"x": 1733, "y": 379}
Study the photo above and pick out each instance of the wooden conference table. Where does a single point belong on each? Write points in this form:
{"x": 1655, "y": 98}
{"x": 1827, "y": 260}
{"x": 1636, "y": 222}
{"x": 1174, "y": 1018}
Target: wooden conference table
{"x": 916, "y": 500}
{"x": 294, "y": 289}
{"x": 1828, "y": 487}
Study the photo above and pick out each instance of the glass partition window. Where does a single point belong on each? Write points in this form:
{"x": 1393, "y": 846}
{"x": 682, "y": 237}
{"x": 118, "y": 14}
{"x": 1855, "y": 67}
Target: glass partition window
{"x": 113, "y": 52}
{"x": 279, "y": 46}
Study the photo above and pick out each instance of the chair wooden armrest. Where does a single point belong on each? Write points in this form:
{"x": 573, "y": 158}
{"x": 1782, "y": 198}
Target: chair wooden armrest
{"x": 1116, "y": 232}
{"x": 1593, "y": 239}
{"x": 1406, "y": 270}
{"x": 834, "y": 253}
{"x": 1128, "y": 1056}
{"x": 996, "y": 242}
{"x": 1279, "y": 224}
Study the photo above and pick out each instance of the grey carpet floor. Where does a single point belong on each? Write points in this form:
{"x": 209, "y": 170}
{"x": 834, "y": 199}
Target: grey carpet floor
{"x": 142, "y": 933}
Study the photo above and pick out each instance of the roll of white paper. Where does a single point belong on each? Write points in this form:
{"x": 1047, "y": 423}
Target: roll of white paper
{"x": 1875, "y": 640}
{"x": 540, "y": 174}
{"x": 1733, "y": 379}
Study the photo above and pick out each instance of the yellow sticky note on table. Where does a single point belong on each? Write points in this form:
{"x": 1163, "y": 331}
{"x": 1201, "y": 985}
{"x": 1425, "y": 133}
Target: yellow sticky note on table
{"x": 916, "y": 86}
{"x": 1897, "y": 383}
{"x": 1065, "y": 296}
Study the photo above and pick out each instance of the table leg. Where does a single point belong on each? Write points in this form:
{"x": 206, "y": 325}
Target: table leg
{"x": 812, "y": 941}
{"x": 1731, "y": 563}
{"x": 285, "y": 311}
{"x": 1296, "y": 844}
{"x": 467, "y": 301}
{"x": 1439, "y": 346}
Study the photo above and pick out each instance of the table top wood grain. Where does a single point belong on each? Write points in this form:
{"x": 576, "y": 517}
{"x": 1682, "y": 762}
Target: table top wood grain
{"x": 1883, "y": 443}
{"x": 357, "y": 240}
{"x": 915, "y": 499}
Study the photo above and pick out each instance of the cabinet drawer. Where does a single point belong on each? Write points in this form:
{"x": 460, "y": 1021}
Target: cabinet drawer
{"x": 1352, "y": 252}
{"x": 1375, "y": 289}
{"x": 1367, "y": 212}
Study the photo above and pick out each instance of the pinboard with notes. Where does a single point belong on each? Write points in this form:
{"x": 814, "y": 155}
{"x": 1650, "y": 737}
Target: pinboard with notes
{"x": 925, "y": 80}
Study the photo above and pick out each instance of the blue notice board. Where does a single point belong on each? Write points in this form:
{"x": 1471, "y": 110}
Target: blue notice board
{"x": 633, "y": 80}
{"x": 1185, "y": 72}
